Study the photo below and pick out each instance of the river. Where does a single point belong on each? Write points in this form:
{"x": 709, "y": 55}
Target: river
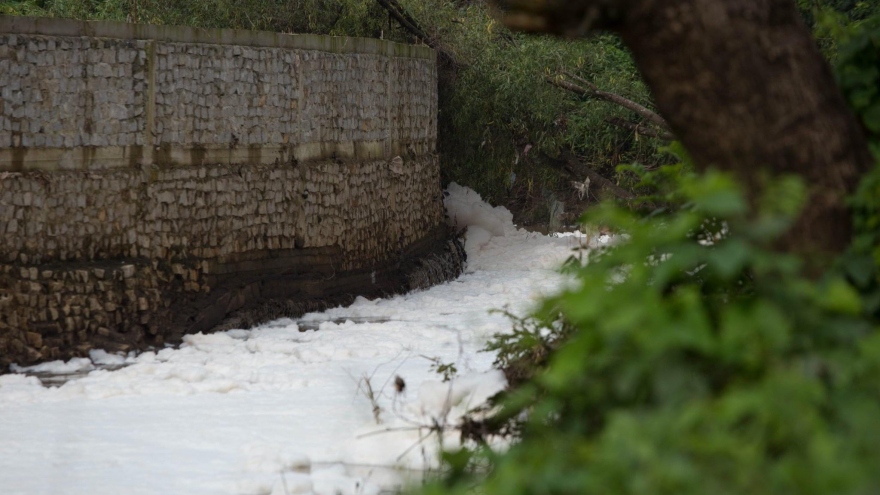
{"x": 338, "y": 402}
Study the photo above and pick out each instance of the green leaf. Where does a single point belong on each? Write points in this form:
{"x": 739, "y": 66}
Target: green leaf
{"x": 730, "y": 257}
{"x": 783, "y": 196}
{"x": 840, "y": 297}
{"x": 716, "y": 195}
{"x": 860, "y": 269}
{"x": 871, "y": 117}
{"x": 872, "y": 302}
{"x": 862, "y": 97}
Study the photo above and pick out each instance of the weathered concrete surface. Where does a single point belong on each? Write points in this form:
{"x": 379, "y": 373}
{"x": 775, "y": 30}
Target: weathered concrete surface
{"x": 156, "y": 180}
{"x": 74, "y": 103}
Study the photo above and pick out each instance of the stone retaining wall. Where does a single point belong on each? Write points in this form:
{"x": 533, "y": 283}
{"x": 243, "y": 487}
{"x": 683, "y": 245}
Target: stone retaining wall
{"x": 156, "y": 180}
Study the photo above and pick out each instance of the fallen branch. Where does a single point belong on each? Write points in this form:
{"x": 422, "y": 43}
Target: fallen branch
{"x": 408, "y": 23}
{"x": 405, "y": 20}
{"x": 590, "y": 90}
{"x": 640, "y": 129}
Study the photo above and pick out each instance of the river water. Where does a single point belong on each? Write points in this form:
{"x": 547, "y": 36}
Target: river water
{"x": 338, "y": 402}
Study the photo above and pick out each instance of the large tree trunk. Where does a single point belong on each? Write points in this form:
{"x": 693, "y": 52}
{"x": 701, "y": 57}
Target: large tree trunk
{"x": 743, "y": 86}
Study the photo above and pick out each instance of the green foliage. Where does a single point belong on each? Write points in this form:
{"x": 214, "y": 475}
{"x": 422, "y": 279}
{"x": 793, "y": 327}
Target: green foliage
{"x": 31, "y": 7}
{"x": 349, "y": 17}
{"x": 850, "y": 10}
{"x": 528, "y": 346}
{"x": 700, "y": 361}
{"x": 858, "y": 71}
{"x": 695, "y": 359}
{"x": 834, "y": 21}
{"x": 500, "y": 116}
{"x": 447, "y": 370}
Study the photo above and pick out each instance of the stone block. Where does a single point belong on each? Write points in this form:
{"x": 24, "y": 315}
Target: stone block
{"x": 34, "y": 339}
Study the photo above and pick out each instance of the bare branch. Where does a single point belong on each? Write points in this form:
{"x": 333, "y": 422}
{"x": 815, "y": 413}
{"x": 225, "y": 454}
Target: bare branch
{"x": 405, "y": 20}
{"x": 590, "y": 90}
{"x": 412, "y": 26}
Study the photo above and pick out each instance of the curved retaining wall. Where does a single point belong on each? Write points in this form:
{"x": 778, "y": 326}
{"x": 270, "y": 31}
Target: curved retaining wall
{"x": 156, "y": 180}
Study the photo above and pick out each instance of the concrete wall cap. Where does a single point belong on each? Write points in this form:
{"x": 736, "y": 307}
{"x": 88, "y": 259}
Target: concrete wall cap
{"x": 51, "y": 26}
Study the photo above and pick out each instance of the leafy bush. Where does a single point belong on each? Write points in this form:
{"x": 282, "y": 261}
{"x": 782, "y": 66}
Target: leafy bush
{"x": 500, "y": 104}
{"x": 22, "y": 8}
{"x": 701, "y": 362}
{"x": 858, "y": 73}
{"x": 499, "y": 118}
{"x": 695, "y": 359}
{"x": 834, "y": 21}
{"x": 349, "y": 17}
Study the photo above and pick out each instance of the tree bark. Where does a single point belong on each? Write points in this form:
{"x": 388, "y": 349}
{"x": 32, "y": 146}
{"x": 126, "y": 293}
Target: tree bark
{"x": 743, "y": 85}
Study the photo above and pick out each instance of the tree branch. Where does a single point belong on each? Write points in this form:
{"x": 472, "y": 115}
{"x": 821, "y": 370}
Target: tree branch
{"x": 591, "y": 91}
{"x": 405, "y": 20}
{"x": 412, "y": 26}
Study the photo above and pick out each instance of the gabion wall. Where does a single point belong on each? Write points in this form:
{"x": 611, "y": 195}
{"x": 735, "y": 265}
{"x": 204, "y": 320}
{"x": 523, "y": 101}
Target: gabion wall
{"x": 155, "y": 180}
